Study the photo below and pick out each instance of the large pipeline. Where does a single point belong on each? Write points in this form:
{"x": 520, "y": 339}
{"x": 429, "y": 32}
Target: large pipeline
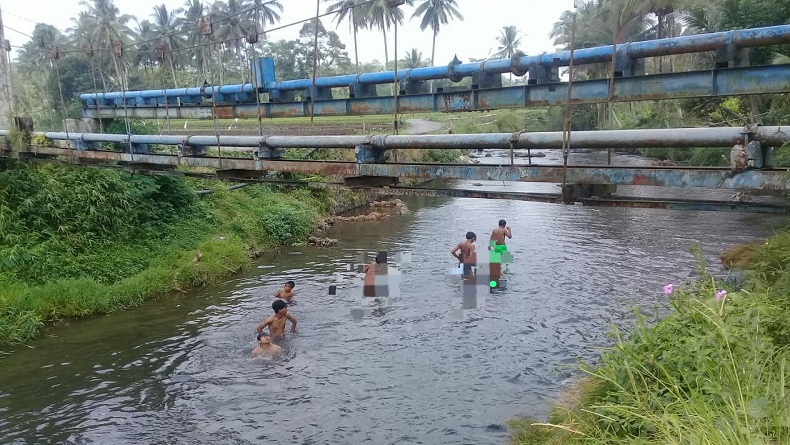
{"x": 773, "y": 35}
{"x": 645, "y": 138}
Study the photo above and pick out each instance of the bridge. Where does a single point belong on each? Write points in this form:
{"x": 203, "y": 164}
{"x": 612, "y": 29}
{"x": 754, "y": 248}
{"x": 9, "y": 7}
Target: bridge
{"x": 266, "y": 97}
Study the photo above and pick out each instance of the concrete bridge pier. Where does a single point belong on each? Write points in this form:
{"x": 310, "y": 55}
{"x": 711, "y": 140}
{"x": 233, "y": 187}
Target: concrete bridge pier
{"x": 574, "y": 192}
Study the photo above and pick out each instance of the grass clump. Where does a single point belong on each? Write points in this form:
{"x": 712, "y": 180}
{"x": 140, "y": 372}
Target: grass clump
{"x": 77, "y": 241}
{"x": 715, "y": 370}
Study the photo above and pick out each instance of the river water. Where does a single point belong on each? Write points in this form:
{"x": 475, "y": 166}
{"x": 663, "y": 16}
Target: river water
{"x": 177, "y": 370}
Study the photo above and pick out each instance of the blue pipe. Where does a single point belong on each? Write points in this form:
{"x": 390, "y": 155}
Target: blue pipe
{"x": 772, "y": 35}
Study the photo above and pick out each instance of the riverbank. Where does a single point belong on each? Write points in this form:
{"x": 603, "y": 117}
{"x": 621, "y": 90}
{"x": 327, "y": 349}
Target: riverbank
{"x": 715, "y": 369}
{"x": 77, "y": 241}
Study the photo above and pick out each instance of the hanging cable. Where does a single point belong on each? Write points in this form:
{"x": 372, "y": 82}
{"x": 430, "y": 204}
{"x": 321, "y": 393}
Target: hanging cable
{"x": 96, "y": 89}
{"x": 315, "y": 60}
{"x": 566, "y": 126}
{"x": 117, "y": 55}
{"x": 214, "y": 108}
{"x": 54, "y": 57}
{"x": 252, "y": 39}
{"x": 161, "y": 55}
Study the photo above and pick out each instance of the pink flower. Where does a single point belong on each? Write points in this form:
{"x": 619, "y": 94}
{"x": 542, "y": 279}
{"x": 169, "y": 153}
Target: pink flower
{"x": 668, "y": 289}
{"x": 721, "y": 294}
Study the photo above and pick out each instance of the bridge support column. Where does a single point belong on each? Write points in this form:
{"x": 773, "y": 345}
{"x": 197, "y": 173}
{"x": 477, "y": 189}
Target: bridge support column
{"x": 574, "y": 192}
{"x": 360, "y": 90}
{"x": 138, "y": 149}
{"x": 83, "y": 125}
{"x": 265, "y": 152}
{"x": 365, "y": 154}
{"x": 192, "y": 150}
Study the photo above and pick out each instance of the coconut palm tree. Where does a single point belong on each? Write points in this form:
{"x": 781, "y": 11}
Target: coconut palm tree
{"x": 268, "y": 12}
{"x": 413, "y": 59}
{"x": 379, "y": 14}
{"x": 103, "y": 26}
{"x": 193, "y": 10}
{"x": 165, "y": 29}
{"x": 436, "y": 13}
{"x": 348, "y": 9}
{"x": 509, "y": 39}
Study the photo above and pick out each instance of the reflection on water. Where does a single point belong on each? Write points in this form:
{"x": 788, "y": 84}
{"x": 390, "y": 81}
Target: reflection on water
{"x": 178, "y": 371}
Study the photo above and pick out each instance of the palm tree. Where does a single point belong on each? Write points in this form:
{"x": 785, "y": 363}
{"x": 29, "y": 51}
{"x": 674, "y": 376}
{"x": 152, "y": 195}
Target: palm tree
{"x": 348, "y": 9}
{"x": 267, "y": 12}
{"x": 509, "y": 39}
{"x": 193, "y": 10}
{"x": 379, "y": 14}
{"x": 165, "y": 28}
{"x": 413, "y": 59}
{"x": 235, "y": 24}
{"x": 145, "y": 36}
{"x": 436, "y": 13}
{"x": 103, "y": 27}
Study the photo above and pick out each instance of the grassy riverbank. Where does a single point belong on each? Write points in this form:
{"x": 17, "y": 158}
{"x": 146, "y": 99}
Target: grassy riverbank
{"x": 715, "y": 370}
{"x": 81, "y": 241}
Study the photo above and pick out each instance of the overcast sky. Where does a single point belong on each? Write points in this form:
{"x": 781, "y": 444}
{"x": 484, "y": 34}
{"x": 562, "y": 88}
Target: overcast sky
{"x": 475, "y": 37}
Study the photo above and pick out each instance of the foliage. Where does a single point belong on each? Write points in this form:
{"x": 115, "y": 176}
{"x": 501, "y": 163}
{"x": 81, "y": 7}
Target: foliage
{"x": 77, "y": 241}
{"x": 714, "y": 370}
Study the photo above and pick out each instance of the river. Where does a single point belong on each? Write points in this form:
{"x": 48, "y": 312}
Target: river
{"x": 177, "y": 370}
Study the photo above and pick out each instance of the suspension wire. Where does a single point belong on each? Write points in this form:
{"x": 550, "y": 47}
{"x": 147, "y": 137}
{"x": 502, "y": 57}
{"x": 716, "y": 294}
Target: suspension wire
{"x": 255, "y": 85}
{"x": 566, "y": 126}
{"x": 395, "y": 85}
{"x": 164, "y": 90}
{"x": 96, "y": 89}
{"x": 214, "y": 107}
{"x": 119, "y": 64}
{"x": 62, "y": 101}
{"x": 315, "y": 59}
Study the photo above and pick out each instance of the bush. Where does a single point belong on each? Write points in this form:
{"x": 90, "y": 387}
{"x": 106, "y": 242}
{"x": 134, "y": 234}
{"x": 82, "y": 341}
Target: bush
{"x": 287, "y": 224}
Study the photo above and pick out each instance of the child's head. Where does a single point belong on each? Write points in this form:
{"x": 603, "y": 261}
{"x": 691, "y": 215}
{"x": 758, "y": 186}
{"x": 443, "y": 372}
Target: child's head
{"x": 470, "y": 236}
{"x": 264, "y": 339}
{"x": 502, "y": 223}
{"x": 278, "y": 306}
{"x": 289, "y": 285}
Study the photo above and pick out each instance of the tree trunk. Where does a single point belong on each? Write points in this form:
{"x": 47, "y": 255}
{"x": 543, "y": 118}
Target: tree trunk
{"x": 356, "y": 52}
{"x": 755, "y": 115}
{"x": 433, "y": 49}
{"x": 386, "y": 52}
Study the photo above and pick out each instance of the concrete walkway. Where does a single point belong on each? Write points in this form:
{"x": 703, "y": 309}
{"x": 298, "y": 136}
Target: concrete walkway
{"x": 421, "y": 126}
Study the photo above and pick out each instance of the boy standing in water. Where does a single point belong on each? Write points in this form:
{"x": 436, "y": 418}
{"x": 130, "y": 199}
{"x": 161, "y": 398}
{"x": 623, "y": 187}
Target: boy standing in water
{"x": 276, "y": 322}
{"x": 287, "y": 292}
{"x": 468, "y": 255}
{"x": 498, "y": 246}
{"x": 265, "y": 347}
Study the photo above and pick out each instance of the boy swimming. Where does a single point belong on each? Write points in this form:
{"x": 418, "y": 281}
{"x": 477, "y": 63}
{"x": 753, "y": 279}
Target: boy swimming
{"x": 276, "y": 322}
{"x": 265, "y": 347}
{"x": 287, "y": 292}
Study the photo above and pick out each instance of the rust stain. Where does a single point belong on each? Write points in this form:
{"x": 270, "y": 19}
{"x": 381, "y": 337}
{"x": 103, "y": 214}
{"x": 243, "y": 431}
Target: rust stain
{"x": 223, "y": 112}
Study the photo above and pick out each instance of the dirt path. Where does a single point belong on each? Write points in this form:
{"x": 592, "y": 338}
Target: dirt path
{"x": 421, "y": 126}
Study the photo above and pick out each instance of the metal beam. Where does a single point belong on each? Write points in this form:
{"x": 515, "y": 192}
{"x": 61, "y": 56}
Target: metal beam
{"x": 709, "y": 83}
{"x": 519, "y": 64}
{"x": 648, "y": 176}
{"x": 642, "y": 138}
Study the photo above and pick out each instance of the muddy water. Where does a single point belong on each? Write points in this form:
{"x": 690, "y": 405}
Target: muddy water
{"x": 177, "y": 371}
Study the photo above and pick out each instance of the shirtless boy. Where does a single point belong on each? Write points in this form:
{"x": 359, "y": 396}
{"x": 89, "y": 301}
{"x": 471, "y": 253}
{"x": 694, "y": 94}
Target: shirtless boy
{"x": 498, "y": 246}
{"x": 287, "y": 292}
{"x": 276, "y": 322}
{"x": 369, "y": 282}
{"x": 468, "y": 255}
{"x": 265, "y": 347}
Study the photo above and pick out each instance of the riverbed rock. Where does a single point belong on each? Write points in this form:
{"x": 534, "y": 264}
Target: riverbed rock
{"x": 400, "y": 206}
{"x": 321, "y": 242}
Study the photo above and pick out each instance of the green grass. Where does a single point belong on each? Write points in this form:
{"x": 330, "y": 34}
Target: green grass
{"x": 76, "y": 242}
{"x": 710, "y": 372}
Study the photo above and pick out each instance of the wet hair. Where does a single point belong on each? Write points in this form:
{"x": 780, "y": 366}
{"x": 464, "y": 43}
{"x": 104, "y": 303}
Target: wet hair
{"x": 291, "y": 283}
{"x": 261, "y": 335}
{"x": 502, "y": 223}
{"x": 470, "y": 235}
{"x": 278, "y": 305}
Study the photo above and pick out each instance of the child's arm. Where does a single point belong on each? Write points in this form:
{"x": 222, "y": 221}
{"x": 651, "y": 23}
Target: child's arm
{"x": 263, "y": 325}
{"x": 277, "y": 294}
{"x": 509, "y": 233}
{"x": 293, "y": 320}
{"x": 457, "y": 248}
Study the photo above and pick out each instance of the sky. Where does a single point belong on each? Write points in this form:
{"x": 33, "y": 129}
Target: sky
{"x": 474, "y": 37}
